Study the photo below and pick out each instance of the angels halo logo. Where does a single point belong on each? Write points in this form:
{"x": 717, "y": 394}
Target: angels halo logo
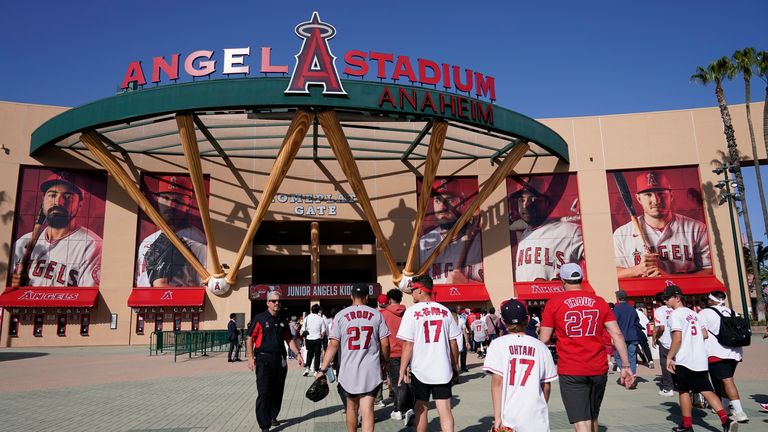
{"x": 315, "y": 64}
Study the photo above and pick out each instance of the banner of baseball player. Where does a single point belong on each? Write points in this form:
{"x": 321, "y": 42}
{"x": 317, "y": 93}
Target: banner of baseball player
{"x": 658, "y": 222}
{"x": 462, "y": 261}
{"x": 61, "y": 214}
{"x": 544, "y": 229}
{"x": 158, "y": 262}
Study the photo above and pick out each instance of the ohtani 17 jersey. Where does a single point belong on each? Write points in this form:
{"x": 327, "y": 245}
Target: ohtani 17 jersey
{"x": 451, "y": 256}
{"x": 74, "y": 260}
{"x": 542, "y": 250}
{"x": 359, "y": 330}
{"x": 430, "y": 327}
{"x": 186, "y": 276}
{"x": 682, "y": 245}
{"x": 692, "y": 353}
{"x": 523, "y": 363}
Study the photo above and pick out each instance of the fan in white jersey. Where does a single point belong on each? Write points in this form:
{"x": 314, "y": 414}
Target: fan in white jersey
{"x": 722, "y": 359}
{"x": 663, "y": 338}
{"x": 687, "y": 361}
{"x": 678, "y": 243}
{"x": 361, "y": 335}
{"x": 174, "y": 199}
{"x": 462, "y": 260}
{"x": 522, "y": 369}
{"x": 429, "y": 337}
{"x": 544, "y": 245}
{"x": 479, "y": 332}
{"x": 65, "y": 254}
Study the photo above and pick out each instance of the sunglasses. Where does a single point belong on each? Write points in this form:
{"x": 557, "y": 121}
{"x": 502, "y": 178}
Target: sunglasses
{"x": 274, "y": 301}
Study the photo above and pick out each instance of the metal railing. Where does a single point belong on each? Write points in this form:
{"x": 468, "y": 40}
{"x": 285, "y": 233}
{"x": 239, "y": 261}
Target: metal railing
{"x": 188, "y": 342}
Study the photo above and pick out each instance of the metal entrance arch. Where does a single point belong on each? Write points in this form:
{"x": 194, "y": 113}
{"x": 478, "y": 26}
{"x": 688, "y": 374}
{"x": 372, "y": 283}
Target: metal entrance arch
{"x": 254, "y": 118}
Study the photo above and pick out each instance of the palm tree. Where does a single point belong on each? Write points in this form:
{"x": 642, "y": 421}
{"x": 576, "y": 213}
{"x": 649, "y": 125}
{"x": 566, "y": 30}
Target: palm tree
{"x": 761, "y": 67}
{"x": 745, "y": 60}
{"x": 716, "y": 72}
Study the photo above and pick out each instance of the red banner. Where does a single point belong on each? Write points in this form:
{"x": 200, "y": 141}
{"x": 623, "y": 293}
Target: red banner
{"x": 177, "y": 296}
{"x": 460, "y": 293}
{"x": 691, "y": 285}
{"x": 543, "y": 290}
{"x": 49, "y": 297}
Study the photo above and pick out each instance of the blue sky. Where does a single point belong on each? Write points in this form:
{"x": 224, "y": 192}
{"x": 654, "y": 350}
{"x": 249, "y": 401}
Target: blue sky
{"x": 549, "y": 59}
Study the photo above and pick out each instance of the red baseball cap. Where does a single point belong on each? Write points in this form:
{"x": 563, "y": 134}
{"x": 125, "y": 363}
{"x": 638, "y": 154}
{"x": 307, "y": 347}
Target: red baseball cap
{"x": 447, "y": 187}
{"x": 652, "y": 180}
{"x": 383, "y": 300}
{"x": 60, "y": 178}
{"x": 175, "y": 184}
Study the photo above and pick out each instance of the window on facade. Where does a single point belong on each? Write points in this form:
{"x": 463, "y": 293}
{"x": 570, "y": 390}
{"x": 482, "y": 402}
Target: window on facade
{"x": 85, "y": 324}
{"x": 37, "y": 330}
{"x": 158, "y": 322}
{"x": 140, "y": 324}
{"x": 13, "y": 328}
{"x": 61, "y": 325}
{"x": 177, "y": 322}
{"x": 195, "y": 322}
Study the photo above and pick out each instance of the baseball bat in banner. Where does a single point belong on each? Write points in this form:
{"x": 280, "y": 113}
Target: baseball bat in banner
{"x": 22, "y": 270}
{"x": 626, "y": 198}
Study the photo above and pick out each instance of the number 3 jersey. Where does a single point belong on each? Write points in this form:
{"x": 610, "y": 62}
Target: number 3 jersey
{"x": 430, "y": 327}
{"x": 579, "y": 318}
{"x": 359, "y": 330}
{"x": 523, "y": 363}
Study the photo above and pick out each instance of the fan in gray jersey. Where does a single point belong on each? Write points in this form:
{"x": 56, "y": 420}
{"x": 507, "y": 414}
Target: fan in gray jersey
{"x": 65, "y": 253}
{"x": 361, "y": 334}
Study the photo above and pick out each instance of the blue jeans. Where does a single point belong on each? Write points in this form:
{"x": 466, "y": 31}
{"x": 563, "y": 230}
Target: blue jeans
{"x": 632, "y": 352}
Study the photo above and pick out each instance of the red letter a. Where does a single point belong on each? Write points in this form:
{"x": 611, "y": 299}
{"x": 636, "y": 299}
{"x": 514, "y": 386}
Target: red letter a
{"x": 315, "y": 64}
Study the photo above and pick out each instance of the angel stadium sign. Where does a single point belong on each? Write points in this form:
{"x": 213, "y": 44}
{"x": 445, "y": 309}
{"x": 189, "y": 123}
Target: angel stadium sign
{"x": 316, "y": 66}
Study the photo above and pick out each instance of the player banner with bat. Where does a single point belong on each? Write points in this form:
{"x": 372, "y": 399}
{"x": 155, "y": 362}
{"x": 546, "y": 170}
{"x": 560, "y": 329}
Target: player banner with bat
{"x": 658, "y": 223}
{"x": 544, "y": 226}
{"x": 58, "y": 228}
{"x": 462, "y": 261}
{"x": 158, "y": 262}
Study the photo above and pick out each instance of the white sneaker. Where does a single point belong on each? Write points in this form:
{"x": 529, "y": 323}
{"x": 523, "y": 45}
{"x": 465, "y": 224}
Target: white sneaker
{"x": 379, "y": 404}
{"x": 396, "y": 415}
{"x": 666, "y": 393}
{"x": 651, "y": 365}
{"x": 740, "y": 417}
{"x": 409, "y": 415}
{"x": 306, "y": 372}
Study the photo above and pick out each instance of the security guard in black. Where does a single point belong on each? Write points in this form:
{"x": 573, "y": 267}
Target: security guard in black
{"x": 265, "y": 348}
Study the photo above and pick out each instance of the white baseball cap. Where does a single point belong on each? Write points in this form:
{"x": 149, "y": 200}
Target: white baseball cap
{"x": 571, "y": 272}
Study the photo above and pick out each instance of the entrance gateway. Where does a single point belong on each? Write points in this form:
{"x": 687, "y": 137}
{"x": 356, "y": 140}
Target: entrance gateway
{"x": 310, "y": 120}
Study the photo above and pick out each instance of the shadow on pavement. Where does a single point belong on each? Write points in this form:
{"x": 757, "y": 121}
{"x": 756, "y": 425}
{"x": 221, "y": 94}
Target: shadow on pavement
{"x": 674, "y": 416}
{"x": 8, "y": 356}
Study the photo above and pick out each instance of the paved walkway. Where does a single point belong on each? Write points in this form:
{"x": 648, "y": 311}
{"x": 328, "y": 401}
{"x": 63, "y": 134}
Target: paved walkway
{"x": 123, "y": 389}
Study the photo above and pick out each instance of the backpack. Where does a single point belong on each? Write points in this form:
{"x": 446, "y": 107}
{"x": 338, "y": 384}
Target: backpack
{"x": 734, "y": 330}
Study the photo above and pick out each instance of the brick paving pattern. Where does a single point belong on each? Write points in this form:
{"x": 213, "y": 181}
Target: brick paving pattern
{"x": 123, "y": 389}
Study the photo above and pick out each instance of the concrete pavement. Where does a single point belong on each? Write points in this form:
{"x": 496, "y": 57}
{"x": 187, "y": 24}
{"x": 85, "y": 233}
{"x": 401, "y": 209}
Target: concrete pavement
{"x": 123, "y": 389}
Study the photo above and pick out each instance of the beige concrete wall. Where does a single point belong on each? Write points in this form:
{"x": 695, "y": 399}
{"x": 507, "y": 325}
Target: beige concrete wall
{"x": 596, "y": 145}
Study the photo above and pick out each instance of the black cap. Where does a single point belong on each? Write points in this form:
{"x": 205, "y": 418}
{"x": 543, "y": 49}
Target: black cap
{"x": 672, "y": 290}
{"x": 514, "y": 312}
{"x": 621, "y": 295}
{"x": 360, "y": 290}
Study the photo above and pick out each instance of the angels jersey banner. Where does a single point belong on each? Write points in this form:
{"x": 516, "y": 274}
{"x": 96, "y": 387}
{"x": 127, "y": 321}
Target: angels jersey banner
{"x": 158, "y": 262}
{"x": 58, "y": 228}
{"x": 658, "y": 222}
{"x": 544, "y": 225}
{"x": 461, "y": 262}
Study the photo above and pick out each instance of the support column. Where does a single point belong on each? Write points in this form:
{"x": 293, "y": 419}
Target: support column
{"x": 314, "y": 249}
{"x": 436, "y": 142}
{"x": 502, "y": 171}
{"x": 340, "y": 146}
{"x": 91, "y": 140}
{"x": 290, "y": 147}
{"x": 192, "y": 153}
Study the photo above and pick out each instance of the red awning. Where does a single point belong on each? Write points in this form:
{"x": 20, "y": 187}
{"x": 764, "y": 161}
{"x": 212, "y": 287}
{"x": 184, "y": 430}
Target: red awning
{"x": 648, "y": 287}
{"x": 461, "y": 293}
{"x": 176, "y": 296}
{"x": 543, "y": 290}
{"x": 49, "y": 297}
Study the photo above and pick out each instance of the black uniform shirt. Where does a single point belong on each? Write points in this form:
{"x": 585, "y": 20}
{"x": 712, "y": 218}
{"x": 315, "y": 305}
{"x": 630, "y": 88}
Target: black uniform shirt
{"x": 268, "y": 333}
